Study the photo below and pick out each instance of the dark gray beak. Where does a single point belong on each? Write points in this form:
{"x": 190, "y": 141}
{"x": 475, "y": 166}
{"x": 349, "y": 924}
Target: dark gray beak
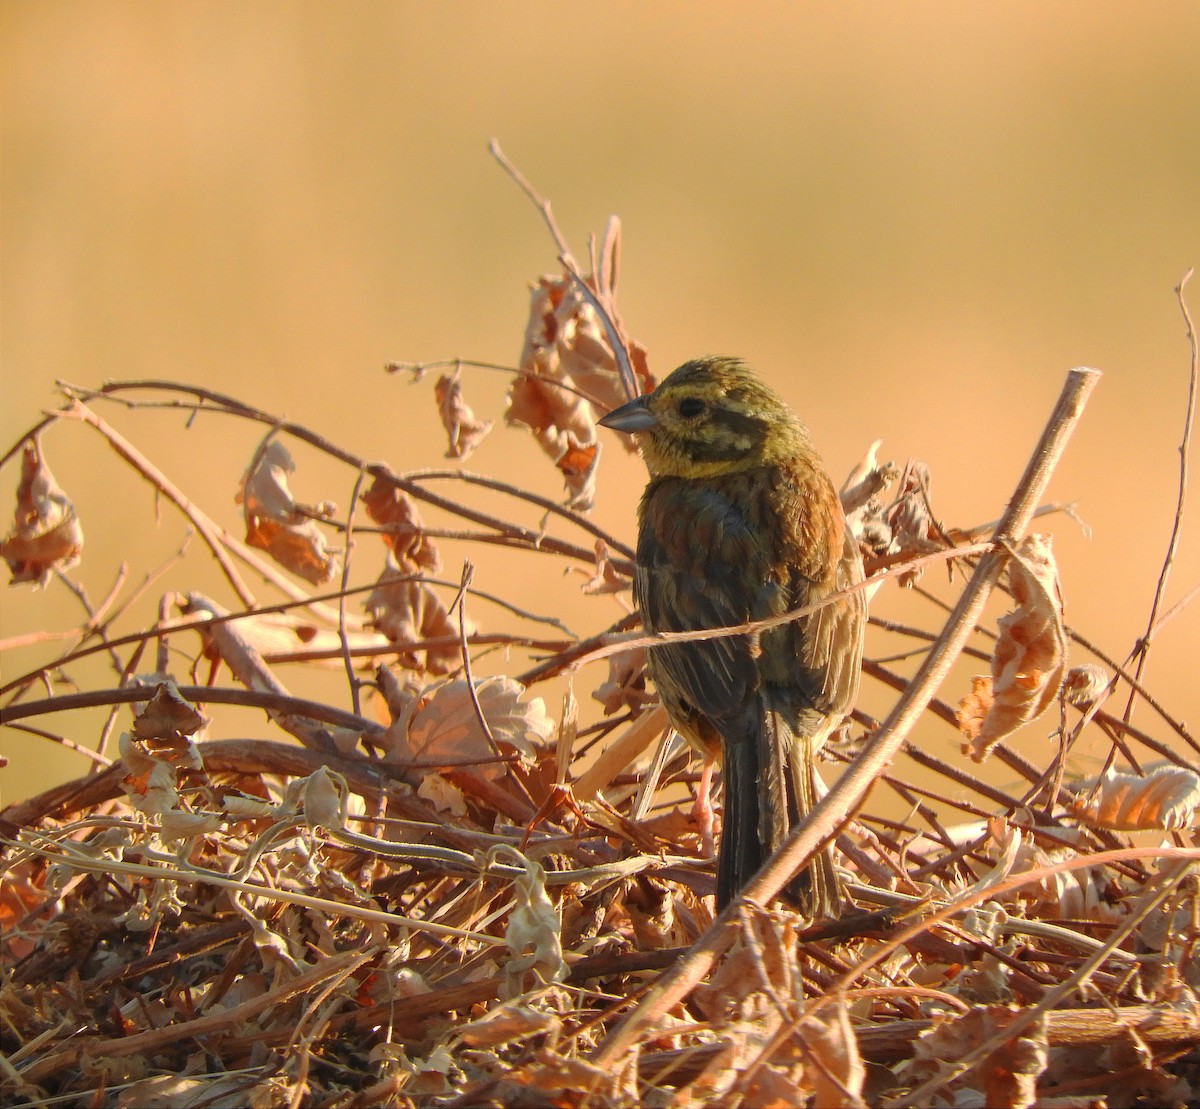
{"x": 634, "y": 416}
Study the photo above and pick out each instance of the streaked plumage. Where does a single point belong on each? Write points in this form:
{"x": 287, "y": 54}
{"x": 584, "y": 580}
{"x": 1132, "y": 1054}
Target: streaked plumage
{"x": 739, "y": 522}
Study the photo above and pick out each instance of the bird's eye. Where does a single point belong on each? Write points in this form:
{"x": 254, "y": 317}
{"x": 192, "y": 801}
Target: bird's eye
{"x": 691, "y": 407}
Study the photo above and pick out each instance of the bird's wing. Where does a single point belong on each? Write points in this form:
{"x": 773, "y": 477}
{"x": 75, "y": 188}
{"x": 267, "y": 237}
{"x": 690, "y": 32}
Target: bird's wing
{"x": 693, "y": 554}
{"x": 828, "y": 644}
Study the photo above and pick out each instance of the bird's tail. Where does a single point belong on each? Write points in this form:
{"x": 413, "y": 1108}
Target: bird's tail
{"x": 770, "y": 786}
{"x": 741, "y": 852}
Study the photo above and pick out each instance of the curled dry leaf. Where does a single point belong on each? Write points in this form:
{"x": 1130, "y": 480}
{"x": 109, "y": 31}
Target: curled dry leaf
{"x": 441, "y": 725}
{"x": 46, "y": 534}
{"x": 577, "y": 464}
{"x": 533, "y": 934}
{"x": 1165, "y": 799}
{"x": 167, "y": 717}
{"x": 606, "y": 578}
{"x": 276, "y": 524}
{"x": 867, "y": 481}
{"x": 1084, "y": 683}
{"x": 466, "y": 432}
{"x": 1029, "y": 658}
{"x": 568, "y": 371}
{"x": 862, "y": 500}
{"x": 910, "y": 519}
{"x": 404, "y": 532}
{"x": 1008, "y": 1077}
{"x": 407, "y": 611}
{"x": 839, "y": 1072}
{"x": 625, "y": 687}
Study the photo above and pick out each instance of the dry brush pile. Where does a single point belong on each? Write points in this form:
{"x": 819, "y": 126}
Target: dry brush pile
{"x": 449, "y": 888}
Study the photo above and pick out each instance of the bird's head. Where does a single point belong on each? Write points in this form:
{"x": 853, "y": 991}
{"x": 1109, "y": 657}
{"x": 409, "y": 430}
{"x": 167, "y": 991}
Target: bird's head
{"x": 711, "y": 416}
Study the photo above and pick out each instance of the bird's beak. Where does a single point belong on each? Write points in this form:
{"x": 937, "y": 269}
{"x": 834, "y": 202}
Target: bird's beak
{"x": 634, "y": 416}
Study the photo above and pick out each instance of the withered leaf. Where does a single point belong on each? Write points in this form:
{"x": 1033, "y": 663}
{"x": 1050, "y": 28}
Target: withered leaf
{"x": 404, "y": 532}
{"x": 167, "y": 716}
{"x": 568, "y": 371}
{"x": 442, "y": 724}
{"x": 274, "y": 522}
{"x": 1165, "y": 799}
{"x": 407, "y": 610}
{"x": 625, "y": 687}
{"x": 606, "y": 577}
{"x": 577, "y": 464}
{"x": 839, "y": 1073}
{"x": 1009, "y": 1075}
{"x": 1084, "y": 683}
{"x": 1030, "y": 654}
{"x": 466, "y": 432}
{"x": 46, "y": 535}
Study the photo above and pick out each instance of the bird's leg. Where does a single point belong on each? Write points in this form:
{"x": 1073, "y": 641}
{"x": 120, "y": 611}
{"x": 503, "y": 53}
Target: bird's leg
{"x": 702, "y": 809}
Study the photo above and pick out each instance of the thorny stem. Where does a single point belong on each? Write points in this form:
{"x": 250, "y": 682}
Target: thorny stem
{"x": 844, "y": 799}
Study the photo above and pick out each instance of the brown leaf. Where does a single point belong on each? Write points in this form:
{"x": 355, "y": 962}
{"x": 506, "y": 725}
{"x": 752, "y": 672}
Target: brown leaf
{"x": 1029, "y": 657}
{"x": 1010, "y": 1072}
{"x": 1084, "y": 683}
{"x": 465, "y": 431}
{"x": 167, "y": 716}
{"x": 577, "y": 464}
{"x": 274, "y": 522}
{"x": 442, "y": 724}
{"x": 1165, "y": 800}
{"x": 46, "y": 534}
{"x": 838, "y": 1072}
{"x": 569, "y": 370}
{"x": 625, "y": 687}
{"x": 404, "y": 532}
{"x": 406, "y": 610}
{"x": 974, "y": 707}
{"x": 910, "y": 520}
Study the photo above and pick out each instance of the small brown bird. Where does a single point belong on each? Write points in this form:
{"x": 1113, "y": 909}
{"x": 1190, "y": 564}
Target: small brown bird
{"x": 740, "y": 522}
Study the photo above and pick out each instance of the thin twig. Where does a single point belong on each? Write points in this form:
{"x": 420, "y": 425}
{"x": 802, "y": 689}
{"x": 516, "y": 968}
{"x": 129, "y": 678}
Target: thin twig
{"x": 1143, "y": 647}
{"x": 348, "y": 662}
{"x": 539, "y": 201}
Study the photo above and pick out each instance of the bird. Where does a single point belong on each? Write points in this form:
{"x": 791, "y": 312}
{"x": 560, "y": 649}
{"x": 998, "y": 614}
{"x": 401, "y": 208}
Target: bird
{"x": 739, "y": 522}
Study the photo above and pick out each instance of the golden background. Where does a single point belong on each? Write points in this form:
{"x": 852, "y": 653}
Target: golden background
{"x": 914, "y": 219}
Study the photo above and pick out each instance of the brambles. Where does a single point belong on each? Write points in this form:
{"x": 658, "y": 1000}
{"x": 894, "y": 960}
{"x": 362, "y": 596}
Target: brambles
{"x": 408, "y": 902}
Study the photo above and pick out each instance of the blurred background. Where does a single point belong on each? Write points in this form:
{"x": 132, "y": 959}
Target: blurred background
{"x": 913, "y": 219}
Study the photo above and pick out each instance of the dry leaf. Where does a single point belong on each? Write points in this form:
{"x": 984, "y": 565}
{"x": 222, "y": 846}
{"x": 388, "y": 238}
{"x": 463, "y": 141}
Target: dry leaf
{"x": 577, "y": 464}
{"x": 46, "y": 534}
{"x": 1007, "y": 1079}
{"x": 606, "y": 578}
{"x": 275, "y": 523}
{"x": 394, "y": 511}
{"x": 1084, "y": 684}
{"x": 442, "y": 794}
{"x": 912, "y": 526}
{"x": 1029, "y": 658}
{"x": 569, "y": 370}
{"x": 626, "y": 684}
{"x": 407, "y": 611}
{"x": 533, "y": 933}
{"x": 441, "y": 726}
{"x": 465, "y": 431}
{"x": 167, "y": 717}
{"x": 1165, "y": 799}
{"x": 838, "y": 1071}
{"x": 507, "y": 1023}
